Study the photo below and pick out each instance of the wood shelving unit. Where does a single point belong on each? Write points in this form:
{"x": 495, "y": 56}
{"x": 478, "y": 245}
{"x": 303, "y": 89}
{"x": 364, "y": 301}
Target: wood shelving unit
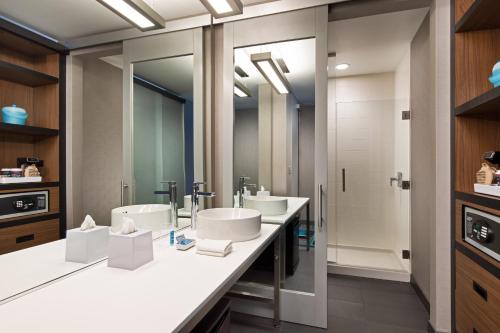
{"x": 25, "y": 76}
{"x": 485, "y": 106}
{"x": 30, "y": 68}
{"x": 475, "y": 129}
{"x": 28, "y": 130}
{"x": 19, "y": 186}
{"x": 481, "y": 15}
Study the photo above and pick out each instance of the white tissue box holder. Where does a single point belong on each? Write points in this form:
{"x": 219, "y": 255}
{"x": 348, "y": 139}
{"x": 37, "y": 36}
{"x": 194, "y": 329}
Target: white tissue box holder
{"x": 130, "y": 251}
{"x": 88, "y": 245}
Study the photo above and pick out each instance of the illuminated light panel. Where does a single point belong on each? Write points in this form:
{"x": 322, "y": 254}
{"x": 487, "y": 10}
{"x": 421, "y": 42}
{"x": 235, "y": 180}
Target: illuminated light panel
{"x": 136, "y": 12}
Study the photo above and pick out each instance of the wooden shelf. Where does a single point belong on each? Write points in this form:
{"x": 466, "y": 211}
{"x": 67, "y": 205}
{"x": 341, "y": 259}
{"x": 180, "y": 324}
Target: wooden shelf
{"x": 482, "y": 14}
{"x": 479, "y": 199}
{"x": 23, "y": 75}
{"x": 487, "y": 105}
{"x": 28, "y": 130}
{"x": 19, "y": 186}
{"x": 22, "y": 45}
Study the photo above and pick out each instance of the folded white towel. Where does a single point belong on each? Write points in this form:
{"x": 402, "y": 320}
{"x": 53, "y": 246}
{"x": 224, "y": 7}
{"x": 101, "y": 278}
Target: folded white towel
{"x": 219, "y": 248}
{"x": 128, "y": 226}
{"x": 88, "y": 223}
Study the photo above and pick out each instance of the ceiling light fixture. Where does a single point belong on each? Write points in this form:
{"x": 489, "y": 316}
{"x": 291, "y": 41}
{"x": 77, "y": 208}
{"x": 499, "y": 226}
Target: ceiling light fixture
{"x": 136, "y": 12}
{"x": 223, "y": 8}
{"x": 342, "y": 67}
{"x": 240, "y": 90}
{"x": 266, "y": 66}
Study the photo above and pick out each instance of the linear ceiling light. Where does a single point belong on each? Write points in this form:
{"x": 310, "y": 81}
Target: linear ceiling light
{"x": 223, "y": 8}
{"x": 266, "y": 66}
{"x": 136, "y": 12}
{"x": 240, "y": 90}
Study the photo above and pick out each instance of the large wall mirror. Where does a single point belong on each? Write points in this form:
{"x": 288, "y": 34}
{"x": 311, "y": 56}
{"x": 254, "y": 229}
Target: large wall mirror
{"x": 134, "y": 119}
{"x": 163, "y": 120}
{"x": 274, "y": 139}
{"x": 163, "y": 127}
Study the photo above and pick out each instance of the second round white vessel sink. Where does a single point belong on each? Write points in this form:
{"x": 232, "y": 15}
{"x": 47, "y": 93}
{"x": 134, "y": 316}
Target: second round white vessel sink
{"x": 236, "y": 224}
{"x": 153, "y": 216}
{"x": 268, "y": 205}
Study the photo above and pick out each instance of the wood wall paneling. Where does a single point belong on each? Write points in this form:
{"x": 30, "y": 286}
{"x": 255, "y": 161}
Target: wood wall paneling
{"x": 473, "y": 137}
{"x": 48, "y": 150}
{"x": 46, "y": 106}
{"x": 13, "y": 146}
{"x": 475, "y": 54}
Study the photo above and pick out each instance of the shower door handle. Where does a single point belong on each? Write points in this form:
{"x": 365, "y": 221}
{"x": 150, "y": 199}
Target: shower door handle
{"x": 398, "y": 179}
{"x": 320, "y": 206}
{"x": 343, "y": 179}
{"x": 123, "y": 186}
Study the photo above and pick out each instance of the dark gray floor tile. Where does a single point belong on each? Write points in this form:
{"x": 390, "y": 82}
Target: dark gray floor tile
{"x": 383, "y": 285}
{"x": 381, "y": 328}
{"x": 295, "y": 328}
{"x": 345, "y": 325}
{"x": 345, "y": 293}
{"x": 344, "y": 280}
{"x": 396, "y": 316}
{"x": 393, "y": 299}
{"x": 346, "y": 309}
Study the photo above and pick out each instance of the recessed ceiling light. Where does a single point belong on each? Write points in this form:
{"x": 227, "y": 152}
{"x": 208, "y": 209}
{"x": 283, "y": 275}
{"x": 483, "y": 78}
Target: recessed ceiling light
{"x": 223, "y": 8}
{"x": 266, "y": 66}
{"x": 136, "y": 12}
{"x": 342, "y": 67}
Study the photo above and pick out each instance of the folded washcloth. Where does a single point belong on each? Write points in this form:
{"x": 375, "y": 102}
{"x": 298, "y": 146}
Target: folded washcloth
{"x": 209, "y": 247}
{"x": 88, "y": 223}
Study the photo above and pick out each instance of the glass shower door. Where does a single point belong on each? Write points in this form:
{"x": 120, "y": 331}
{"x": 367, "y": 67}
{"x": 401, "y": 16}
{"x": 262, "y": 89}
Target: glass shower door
{"x": 372, "y": 211}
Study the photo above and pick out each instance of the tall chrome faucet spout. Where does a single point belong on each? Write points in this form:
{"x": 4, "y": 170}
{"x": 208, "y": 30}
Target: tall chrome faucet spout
{"x": 172, "y": 194}
{"x": 195, "y": 201}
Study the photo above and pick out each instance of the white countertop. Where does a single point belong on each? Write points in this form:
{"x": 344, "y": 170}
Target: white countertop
{"x": 30, "y": 268}
{"x": 295, "y": 204}
{"x": 161, "y": 296}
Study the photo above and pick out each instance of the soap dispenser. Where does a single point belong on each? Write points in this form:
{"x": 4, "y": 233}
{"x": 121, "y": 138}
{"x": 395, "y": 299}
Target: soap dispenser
{"x": 263, "y": 192}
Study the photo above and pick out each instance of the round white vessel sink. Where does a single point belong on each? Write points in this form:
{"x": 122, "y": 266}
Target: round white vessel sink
{"x": 152, "y": 216}
{"x": 236, "y": 224}
{"x": 268, "y": 205}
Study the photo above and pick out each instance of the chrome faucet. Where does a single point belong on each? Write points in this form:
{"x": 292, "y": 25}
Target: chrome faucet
{"x": 172, "y": 194}
{"x": 241, "y": 187}
{"x": 195, "y": 195}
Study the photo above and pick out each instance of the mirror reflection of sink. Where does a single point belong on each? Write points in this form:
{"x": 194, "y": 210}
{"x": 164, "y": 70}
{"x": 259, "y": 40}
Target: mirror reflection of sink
{"x": 267, "y": 205}
{"x": 152, "y": 216}
{"x": 236, "y": 224}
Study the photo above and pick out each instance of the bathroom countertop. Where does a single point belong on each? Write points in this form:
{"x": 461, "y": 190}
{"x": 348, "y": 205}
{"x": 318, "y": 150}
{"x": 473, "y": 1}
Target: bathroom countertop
{"x": 295, "y": 204}
{"x": 25, "y": 270}
{"x": 167, "y": 294}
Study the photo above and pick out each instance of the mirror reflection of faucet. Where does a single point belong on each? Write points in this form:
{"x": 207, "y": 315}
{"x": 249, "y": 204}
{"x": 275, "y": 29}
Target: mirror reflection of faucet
{"x": 243, "y": 191}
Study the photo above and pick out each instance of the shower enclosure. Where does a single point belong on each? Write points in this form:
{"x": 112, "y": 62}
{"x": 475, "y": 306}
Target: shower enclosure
{"x": 369, "y": 235}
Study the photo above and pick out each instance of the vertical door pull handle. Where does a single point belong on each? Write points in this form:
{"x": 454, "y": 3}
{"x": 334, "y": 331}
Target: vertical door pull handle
{"x": 320, "y": 206}
{"x": 343, "y": 179}
{"x": 123, "y": 186}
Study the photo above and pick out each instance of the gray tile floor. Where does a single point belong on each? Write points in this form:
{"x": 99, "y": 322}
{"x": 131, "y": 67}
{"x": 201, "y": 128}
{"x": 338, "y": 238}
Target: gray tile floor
{"x": 356, "y": 305}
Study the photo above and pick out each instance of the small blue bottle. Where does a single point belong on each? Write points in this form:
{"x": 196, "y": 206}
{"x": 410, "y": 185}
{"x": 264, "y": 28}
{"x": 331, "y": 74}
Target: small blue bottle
{"x": 171, "y": 235}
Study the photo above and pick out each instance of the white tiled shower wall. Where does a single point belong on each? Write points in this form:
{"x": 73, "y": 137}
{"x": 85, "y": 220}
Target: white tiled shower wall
{"x": 393, "y": 88}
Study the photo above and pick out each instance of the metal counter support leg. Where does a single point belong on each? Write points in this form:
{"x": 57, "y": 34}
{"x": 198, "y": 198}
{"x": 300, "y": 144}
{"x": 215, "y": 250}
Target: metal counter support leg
{"x": 277, "y": 280}
{"x": 308, "y": 226}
